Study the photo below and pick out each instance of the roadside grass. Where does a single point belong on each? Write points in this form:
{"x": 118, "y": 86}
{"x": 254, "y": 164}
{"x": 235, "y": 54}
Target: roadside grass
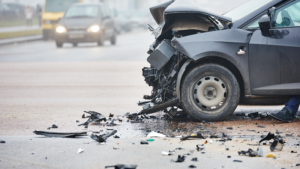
{"x": 7, "y": 35}
{"x": 19, "y": 22}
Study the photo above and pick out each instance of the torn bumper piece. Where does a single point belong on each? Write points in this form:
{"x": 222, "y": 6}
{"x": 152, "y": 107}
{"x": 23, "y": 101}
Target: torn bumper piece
{"x": 94, "y": 118}
{"x": 102, "y": 138}
{"x": 60, "y": 134}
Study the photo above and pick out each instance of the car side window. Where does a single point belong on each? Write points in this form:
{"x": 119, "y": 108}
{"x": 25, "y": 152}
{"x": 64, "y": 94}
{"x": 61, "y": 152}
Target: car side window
{"x": 254, "y": 24}
{"x": 287, "y": 16}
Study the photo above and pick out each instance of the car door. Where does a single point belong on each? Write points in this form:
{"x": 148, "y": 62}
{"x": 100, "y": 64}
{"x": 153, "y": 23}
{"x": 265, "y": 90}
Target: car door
{"x": 274, "y": 62}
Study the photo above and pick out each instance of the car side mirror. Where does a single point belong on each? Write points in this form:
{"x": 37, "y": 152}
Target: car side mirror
{"x": 265, "y": 25}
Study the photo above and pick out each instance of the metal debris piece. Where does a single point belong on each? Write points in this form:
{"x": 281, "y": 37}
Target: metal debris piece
{"x": 94, "y": 118}
{"x": 121, "y": 166}
{"x": 60, "y": 134}
{"x": 103, "y": 137}
{"x": 180, "y": 159}
{"x": 80, "y": 150}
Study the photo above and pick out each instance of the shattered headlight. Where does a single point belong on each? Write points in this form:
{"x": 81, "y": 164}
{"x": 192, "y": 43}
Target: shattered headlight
{"x": 94, "y": 28}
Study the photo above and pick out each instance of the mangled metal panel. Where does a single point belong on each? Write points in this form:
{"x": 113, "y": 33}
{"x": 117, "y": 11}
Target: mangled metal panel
{"x": 161, "y": 56}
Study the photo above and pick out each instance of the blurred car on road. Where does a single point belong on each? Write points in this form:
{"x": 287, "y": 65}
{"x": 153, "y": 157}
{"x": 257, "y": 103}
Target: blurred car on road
{"x": 53, "y": 11}
{"x": 86, "y": 22}
{"x": 123, "y": 22}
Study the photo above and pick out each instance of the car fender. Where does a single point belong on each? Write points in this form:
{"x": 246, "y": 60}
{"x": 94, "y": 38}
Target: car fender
{"x": 219, "y": 44}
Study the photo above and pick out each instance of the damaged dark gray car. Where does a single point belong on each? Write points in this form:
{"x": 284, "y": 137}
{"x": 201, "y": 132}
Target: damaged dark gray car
{"x": 207, "y": 64}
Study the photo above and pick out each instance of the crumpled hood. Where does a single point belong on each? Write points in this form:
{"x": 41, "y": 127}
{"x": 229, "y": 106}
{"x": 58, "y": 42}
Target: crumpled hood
{"x": 181, "y": 6}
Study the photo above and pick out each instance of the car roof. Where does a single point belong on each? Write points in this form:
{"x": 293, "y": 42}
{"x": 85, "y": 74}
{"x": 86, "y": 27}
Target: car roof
{"x": 243, "y": 20}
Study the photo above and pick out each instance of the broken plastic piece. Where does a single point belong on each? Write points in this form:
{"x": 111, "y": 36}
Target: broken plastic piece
{"x": 198, "y": 135}
{"x": 192, "y": 166}
{"x": 103, "y": 137}
{"x": 293, "y": 151}
{"x": 249, "y": 153}
{"x": 270, "y": 156}
{"x": 80, "y": 150}
{"x": 149, "y": 140}
{"x": 260, "y": 152}
{"x": 111, "y": 115}
{"x": 205, "y": 142}
{"x": 237, "y": 161}
{"x": 180, "y": 159}
{"x": 94, "y": 118}
{"x": 155, "y": 134}
{"x": 268, "y": 137}
{"x": 144, "y": 142}
{"x": 54, "y": 126}
{"x": 195, "y": 159}
{"x": 60, "y": 134}
{"x": 116, "y": 136}
{"x": 168, "y": 153}
{"x": 229, "y": 128}
{"x": 121, "y": 166}
{"x": 1, "y": 141}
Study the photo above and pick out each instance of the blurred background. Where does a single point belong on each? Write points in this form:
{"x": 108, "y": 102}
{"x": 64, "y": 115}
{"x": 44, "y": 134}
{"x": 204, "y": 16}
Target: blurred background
{"x": 20, "y": 18}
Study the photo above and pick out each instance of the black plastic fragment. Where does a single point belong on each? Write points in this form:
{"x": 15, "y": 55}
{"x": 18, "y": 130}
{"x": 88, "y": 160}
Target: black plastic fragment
{"x": 1, "y": 141}
{"x": 111, "y": 115}
{"x": 180, "y": 159}
{"x": 228, "y": 156}
{"x": 249, "y": 153}
{"x": 237, "y": 161}
{"x": 192, "y": 166}
{"x": 116, "y": 136}
{"x": 60, "y": 134}
{"x": 199, "y": 148}
{"x": 195, "y": 159}
{"x": 121, "y": 166}
{"x": 112, "y": 123}
{"x": 144, "y": 142}
{"x": 253, "y": 115}
{"x": 54, "y": 126}
{"x": 83, "y": 116}
{"x": 95, "y": 117}
{"x": 103, "y": 137}
{"x": 229, "y": 128}
{"x": 268, "y": 137}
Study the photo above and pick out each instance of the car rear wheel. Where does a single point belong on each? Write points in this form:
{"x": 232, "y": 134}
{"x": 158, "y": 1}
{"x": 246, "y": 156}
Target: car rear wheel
{"x": 101, "y": 39}
{"x": 113, "y": 40}
{"x": 59, "y": 44}
{"x": 210, "y": 92}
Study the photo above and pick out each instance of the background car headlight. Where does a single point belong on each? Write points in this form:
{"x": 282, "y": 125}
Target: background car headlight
{"x": 94, "y": 28}
{"x": 61, "y": 29}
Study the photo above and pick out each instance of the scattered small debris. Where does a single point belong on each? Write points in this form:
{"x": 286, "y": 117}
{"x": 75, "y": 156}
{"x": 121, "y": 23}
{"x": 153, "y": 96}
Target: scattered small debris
{"x": 249, "y": 153}
{"x": 77, "y": 121}
{"x": 116, "y": 136}
{"x": 277, "y": 144}
{"x": 111, "y": 115}
{"x": 94, "y": 118}
{"x": 180, "y": 159}
{"x": 1, "y": 141}
{"x": 150, "y": 140}
{"x": 83, "y": 116}
{"x": 192, "y": 166}
{"x": 155, "y": 134}
{"x": 168, "y": 153}
{"x": 103, "y": 137}
{"x": 229, "y": 128}
{"x": 60, "y": 134}
{"x": 195, "y": 159}
{"x": 293, "y": 151}
{"x": 54, "y": 126}
{"x": 115, "y": 148}
{"x": 270, "y": 156}
{"x": 198, "y": 135}
{"x": 228, "y": 156}
{"x": 121, "y": 166}
{"x": 144, "y": 142}
{"x": 80, "y": 150}
{"x": 237, "y": 161}
{"x": 261, "y": 126}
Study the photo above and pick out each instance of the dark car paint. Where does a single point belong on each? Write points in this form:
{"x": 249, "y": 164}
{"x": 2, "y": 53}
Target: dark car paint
{"x": 269, "y": 66}
{"x": 224, "y": 44}
{"x": 106, "y": 24}
{"x": 158, "y": 11}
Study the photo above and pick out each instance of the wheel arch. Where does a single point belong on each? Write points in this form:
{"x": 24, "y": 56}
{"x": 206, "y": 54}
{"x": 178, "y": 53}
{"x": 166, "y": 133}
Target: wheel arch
{"x": 207, "y": 59}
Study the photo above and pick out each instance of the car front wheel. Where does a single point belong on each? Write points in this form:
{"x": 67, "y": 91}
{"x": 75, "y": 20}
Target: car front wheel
{"x": 210, "y": 92}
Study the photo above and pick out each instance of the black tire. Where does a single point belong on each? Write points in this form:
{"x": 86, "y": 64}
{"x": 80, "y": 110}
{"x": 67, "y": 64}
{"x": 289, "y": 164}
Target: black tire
{"x": 59, "y": 44}
{"x": 101, "y": 39}
{"x": 75, "y": 44}
{"x": 113, "y": 39}
{"x": 192, "y": 82}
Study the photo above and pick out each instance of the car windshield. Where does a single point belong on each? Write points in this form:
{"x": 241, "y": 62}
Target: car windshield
{"x": 58, "y": 5}
{"x": 82, "y": 11}
{"x": 245, "y": 9}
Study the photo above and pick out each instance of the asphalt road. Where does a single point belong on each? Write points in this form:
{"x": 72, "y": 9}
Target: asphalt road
{"x": 41, "y": 85}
